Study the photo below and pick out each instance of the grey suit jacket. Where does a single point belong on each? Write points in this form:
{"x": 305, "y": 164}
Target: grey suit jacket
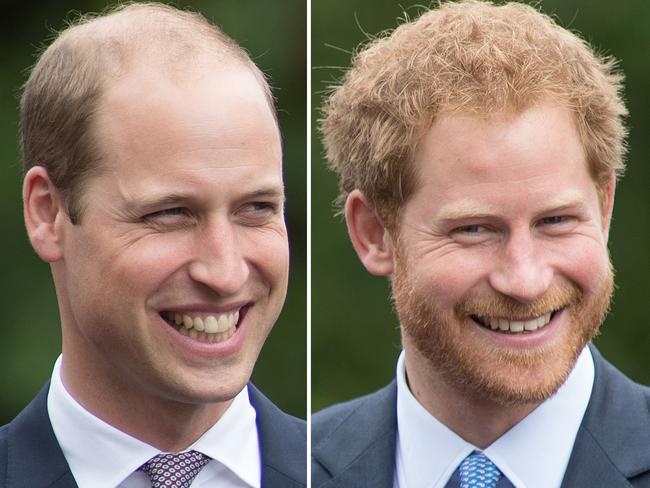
{"x": 30, "y": 456}
{"x": 353, "y": 444}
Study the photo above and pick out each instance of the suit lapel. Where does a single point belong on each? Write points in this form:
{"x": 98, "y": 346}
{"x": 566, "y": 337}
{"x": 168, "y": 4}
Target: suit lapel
{"x": 611, "y": 447}
{"x": 360, "y": 450}
{"x": 613, "y": 443}
{"x": 35, "y": 459}
{"x": 34, "y": 455}
{"x": 589, "y": 466}
{"x": 283, "y": 443}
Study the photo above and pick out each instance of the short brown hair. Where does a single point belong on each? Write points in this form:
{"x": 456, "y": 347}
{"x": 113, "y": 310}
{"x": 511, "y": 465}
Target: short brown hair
{"x": 64, "y": 90}
{"x": 472, "y": 57}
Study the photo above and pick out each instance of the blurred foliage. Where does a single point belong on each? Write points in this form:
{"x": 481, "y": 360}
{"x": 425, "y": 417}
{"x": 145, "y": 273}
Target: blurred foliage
{"x": 355, "y": 338}
{"x": 275, "y": 35}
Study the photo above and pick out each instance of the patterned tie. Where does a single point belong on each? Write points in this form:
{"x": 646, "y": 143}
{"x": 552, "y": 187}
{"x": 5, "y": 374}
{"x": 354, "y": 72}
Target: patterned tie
{"x": 174, "y": 470}
{"x": 478, "y": 471}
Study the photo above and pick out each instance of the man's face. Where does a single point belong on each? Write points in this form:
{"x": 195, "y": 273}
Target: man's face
{"x": 179, "y": 267}
{"x": 502, "y": 272}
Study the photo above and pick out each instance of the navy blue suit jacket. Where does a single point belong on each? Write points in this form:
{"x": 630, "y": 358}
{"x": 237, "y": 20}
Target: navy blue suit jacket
{"x": 30, "y": 456}
{"x": 353, "y": 444}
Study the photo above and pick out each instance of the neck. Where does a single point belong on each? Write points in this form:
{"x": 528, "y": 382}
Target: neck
{"x": 167, "y": 424}
{"x": 477, "y": 420}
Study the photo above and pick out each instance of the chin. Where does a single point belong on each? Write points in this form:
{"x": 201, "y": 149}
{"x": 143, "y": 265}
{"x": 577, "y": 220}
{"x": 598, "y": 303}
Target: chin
{"x": 512, "y": 379}
{"x": 206, "y": 388}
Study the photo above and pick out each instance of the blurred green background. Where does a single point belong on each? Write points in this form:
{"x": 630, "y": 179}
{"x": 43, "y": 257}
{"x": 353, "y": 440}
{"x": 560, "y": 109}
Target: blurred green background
{"x": 355, "y": 339}
{"x": 275, "y": 36}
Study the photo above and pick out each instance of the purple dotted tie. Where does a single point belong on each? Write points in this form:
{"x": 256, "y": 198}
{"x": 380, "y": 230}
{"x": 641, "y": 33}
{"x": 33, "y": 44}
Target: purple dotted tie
{"x": 174, "y": 470}
{"x": 477, "y": 471}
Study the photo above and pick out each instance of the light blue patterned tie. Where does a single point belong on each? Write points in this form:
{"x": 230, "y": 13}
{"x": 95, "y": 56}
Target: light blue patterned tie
{"x": 477, "y": 471}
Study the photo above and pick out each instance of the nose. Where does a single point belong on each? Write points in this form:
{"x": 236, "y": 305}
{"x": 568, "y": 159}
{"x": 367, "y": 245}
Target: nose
{"x": 521, "y": 270}
{"x": 219, "y": 262}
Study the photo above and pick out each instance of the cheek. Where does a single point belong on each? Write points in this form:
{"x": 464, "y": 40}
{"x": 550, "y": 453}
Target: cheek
{"x": 454, "y": 274}
{"x": 143, "y": 266}
{"x": 585, "y": 262}
{"x": 268, "y": 252}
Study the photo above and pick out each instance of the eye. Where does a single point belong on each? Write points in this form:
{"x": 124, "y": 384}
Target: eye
{"x": 471, "y": 234}
{"x": 259, "y": 212}
{"x": 470, "y": 229}
{"x": 555, "y": 219}
{"x": 173, "y": 211}
{"x": 169, "y": 218}
{"x": 557, "y": 224}
{"x": 263, "y": 206}
{"x": 558, "y": 221}
{"x": 167, "y": 213}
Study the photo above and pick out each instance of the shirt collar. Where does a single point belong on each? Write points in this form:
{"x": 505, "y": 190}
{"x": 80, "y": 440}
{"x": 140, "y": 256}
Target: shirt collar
{"x": 102, "y": 456}
{"x": 533, "y": 454}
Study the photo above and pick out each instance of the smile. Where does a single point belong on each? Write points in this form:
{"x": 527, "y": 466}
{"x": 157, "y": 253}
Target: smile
{"x": 514, "y": 326}
{"x": 205, "y": 327}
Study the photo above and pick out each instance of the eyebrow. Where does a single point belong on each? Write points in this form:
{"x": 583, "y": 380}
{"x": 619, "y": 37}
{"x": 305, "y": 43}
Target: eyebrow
{"x": 566, "y": 202}
{"x": 266, "y": 192}
{"x": 149, "y": 203}
{"x": 156, "y": 201}
{"x": 464, "y": 210}
{"x": 468, "y": 209}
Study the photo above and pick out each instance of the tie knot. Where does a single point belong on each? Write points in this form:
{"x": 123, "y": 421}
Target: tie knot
{"x": 478, "y": 471}
{"x": 174, "y": 470}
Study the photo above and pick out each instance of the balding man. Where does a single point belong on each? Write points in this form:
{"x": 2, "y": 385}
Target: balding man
{"x": 153, "y": 188}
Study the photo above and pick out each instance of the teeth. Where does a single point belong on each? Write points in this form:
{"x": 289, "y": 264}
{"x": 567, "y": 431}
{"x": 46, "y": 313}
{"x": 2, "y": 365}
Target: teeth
{"x": 223, "y": 323}
{"x": 505, "y": 325}
{"x": 533, "y": 324}
{"x": 198, "y": 324}
{"x": 203, "y": 336}
{"x": 517, "y": 326}
{"x": 211, "y": 325}
{"x": 212, "y": 328}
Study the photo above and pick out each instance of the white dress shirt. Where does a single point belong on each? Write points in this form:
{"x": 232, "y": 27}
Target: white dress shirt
{"x": 533, "y": 454}
{"x": 101, "y": 456}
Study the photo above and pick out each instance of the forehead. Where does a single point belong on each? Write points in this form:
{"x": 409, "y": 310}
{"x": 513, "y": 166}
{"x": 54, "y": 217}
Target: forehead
{"x": 539, "y": 139}
{"x": 218, "y": 117}
{"x": 536, "y": 152}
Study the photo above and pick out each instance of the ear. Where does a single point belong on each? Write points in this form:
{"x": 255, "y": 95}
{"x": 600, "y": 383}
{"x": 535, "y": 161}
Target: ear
{"x": 44, "y": 214}
{"x": 608, "y": 206}
{"x": 369, "y": 237}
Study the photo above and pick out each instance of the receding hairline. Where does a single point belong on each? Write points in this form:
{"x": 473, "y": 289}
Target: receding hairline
{"x": 152, "y": 32}
{"x": 66, "y": 86}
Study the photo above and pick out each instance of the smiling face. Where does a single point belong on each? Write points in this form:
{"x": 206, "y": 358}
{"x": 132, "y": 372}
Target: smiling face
{"x": 178, "y": 270}
{"x": 502, "y": 273}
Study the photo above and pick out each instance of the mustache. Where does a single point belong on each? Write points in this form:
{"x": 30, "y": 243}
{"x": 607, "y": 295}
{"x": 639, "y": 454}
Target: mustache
{"x": 497, "y": 305}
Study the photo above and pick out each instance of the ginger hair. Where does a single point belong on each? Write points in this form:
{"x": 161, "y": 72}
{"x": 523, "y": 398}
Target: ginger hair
{"x": 469, "y": 57}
